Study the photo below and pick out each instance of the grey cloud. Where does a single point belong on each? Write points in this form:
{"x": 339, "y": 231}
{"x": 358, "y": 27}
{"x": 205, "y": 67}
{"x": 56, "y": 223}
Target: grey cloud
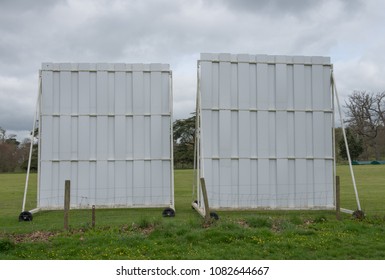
{"x": 297, "y": 8}
{"x": 16, "y": 114}
{"x": 271, "y": 6}
{"x": 174, "y": 32}
{"x": 27, "y": 5}
{"x": 12, "y": 121}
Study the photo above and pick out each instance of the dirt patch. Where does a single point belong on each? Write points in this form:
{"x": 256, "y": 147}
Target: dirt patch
{"x": 308, "y": 222}
{"x": 147, "y": 230}
{"x": 37, "y": 236}
{"x": 243, "y": 223}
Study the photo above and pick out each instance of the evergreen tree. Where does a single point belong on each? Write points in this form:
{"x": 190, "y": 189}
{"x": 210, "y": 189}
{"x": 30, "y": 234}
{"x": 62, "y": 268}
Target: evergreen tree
{"x": 184, "y": 134}
{"x": 355, "y": 146}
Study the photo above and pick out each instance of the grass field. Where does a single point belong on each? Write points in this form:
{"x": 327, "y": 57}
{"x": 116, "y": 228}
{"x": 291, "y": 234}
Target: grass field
{"x": 144, "y": 234}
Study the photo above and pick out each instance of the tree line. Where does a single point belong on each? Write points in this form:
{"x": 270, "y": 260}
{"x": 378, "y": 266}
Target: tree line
{"x": 14, "y": 154}
{"x": 365, "y": 132}
{"x": 365, "y": 126}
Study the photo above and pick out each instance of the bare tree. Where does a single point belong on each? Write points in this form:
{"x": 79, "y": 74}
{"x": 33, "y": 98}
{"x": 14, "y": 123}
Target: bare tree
{"x": 366, "y": 117}
{"x": 379, "y": 107}
{"x": 2, "y": 135}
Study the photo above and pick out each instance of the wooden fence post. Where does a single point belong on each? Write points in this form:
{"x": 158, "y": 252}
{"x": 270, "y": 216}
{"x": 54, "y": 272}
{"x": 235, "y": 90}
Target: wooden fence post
{"x": 67, "y": 196}
{"x": 338, "y": 198}
{"x": 93, "y": 216}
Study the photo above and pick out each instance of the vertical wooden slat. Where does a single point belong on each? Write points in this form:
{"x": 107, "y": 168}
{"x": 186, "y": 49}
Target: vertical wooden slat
{"x": 138, "y": 137}
{"x": 47, "y": 92}
{"x": 84, "y": 140}
{"x": 225, "y": 85}
{"x": 138, "y": 89}
{"x": 244, "y": 134}
{"x": 262, "y": 87}
{"x": 90, "y": 100}
{"x": 119, "y": 138}
{"x": 263, "y": 134}
{"x": 110, "y": 187}
{"x": 46, "y": 141}
{"x": 299, "y": 87}
{"x": 206, "y": 85}
{"x": 156, "y": 93}
{"x": 216, "y": 134}
{"x": 120, "y": 93}
{"x": 102, "y": 137}
{"x": 225, "y": 135}
{"x": 263, "y": 183}
{"x": 83, "y": 184}
{"x": 138, "y": 183}
{"x": 64, "y": 138}
{"x": 300, "y": 134}
{"x": 166, "y": 88}
{"x": 81, "y": 98}
{"x": 282, "y": 134}
{"x": 243, "y": 86}
{"x": 234, "y": 133}
{"x": 317, "y": 87}
{"x": 56, "y": 93}
{"x": 166, "y": 137}
{"x": 215, "y": 85}
{"x": 102, "y": 93}
{"x": 147, "y": 137}
{"x": 156, "y": 137}
{"x": 55, "y": 130}
{"x": 281, "y": 91}
{"x": 147, "y": 93}
{"x": 101, "y": 191}
{"x": 120, "y": 183}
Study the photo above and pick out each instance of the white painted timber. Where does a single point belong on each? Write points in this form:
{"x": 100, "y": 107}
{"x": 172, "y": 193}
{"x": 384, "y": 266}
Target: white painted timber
{"x": 265, "y": 131}
{"x": 108, "y": 129}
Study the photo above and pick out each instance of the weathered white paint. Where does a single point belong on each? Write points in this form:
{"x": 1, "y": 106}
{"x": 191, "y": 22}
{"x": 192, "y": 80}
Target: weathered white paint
{"x": 107, "y": 128}
{"x": 265, "y": 138}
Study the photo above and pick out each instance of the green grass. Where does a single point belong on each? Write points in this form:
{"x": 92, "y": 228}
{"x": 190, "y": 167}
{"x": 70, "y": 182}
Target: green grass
{"x": 370, "y": 181}
{"x": 144, "y": 234}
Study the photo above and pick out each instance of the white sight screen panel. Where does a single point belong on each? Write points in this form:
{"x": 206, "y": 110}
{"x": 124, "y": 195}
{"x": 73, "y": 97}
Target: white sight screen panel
{"x": 107, "y": 128}
{"x": 265, "y": 136}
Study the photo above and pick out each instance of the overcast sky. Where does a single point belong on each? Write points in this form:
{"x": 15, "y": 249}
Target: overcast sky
{"x": 351, "y": 32}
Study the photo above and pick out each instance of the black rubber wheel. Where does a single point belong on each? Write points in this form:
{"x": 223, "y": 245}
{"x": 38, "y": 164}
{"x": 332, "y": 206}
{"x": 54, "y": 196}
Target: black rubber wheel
{"x": 25, "y": 216}
{"x": 214, "y": 216}
{"x": 359, "y": 215}
{"x": 168, "y": 212}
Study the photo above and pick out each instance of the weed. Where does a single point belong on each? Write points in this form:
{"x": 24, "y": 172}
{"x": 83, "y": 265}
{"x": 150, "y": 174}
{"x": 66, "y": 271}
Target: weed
{"x": 6, "y": 245}
{"x": 320, "y": 219}
{"x": 259, "y": 222}
{"x": 296, "y": 220}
